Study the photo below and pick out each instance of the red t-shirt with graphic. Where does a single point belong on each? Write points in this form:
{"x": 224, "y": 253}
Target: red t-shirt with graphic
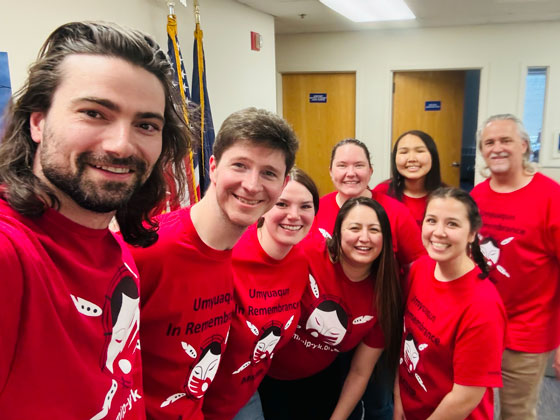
{"x": 267, "y": 296}
{"x": 336, "y": 315}
{"x": 416, "y": 205}
{"x": 407, "y": 242}
{"x": 453, "y": 333}
{"x": 521, "y": 241}
{"x": 69, "y": 312}
{"x": 187, "y": 303}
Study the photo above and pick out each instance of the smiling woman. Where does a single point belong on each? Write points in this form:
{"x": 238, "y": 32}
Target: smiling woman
{"x": 352, "y": 301}
{"x": 449, "y": 372}
{"x": 415, "y": 172}
{"x": 270, "y": 275}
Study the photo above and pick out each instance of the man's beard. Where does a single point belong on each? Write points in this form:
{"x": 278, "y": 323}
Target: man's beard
{"x": 99, "y": 197}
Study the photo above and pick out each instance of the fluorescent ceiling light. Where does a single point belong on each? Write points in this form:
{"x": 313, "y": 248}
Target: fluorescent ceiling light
{"x": 371, "y": 10}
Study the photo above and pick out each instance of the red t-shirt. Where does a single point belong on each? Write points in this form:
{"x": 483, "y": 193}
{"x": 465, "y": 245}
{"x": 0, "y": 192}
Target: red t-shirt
{"x": 267, "y": 296}
{"x": 336, "y": 315}
{"x": 453, "y": 333}
{"x": 69, "y": 312}
{"x": 407, "y": 242}
{"x": 187, "y": 303}
{"x": 416, "y": 205}
{"x": 521, "y": 240}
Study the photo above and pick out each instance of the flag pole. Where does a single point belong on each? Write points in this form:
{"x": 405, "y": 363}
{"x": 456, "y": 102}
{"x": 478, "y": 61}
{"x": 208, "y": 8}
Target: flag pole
{"x": 196, "y": 13}
{"x": 177, "y": 63}
{"x": 171, "y": 5}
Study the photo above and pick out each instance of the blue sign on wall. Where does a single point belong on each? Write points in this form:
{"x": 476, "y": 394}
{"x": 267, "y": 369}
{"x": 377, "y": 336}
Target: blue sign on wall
{"x": 432, "y": 106}
{"x": 317, "y": 98}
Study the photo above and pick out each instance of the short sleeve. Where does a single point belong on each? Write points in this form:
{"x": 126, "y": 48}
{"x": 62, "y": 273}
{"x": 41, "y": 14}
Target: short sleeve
{"x": 480, "y": 343}
{"x": 11, "y": 293}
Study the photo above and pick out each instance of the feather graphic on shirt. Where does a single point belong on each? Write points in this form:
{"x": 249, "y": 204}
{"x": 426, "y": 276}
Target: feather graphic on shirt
{"x": 189, "y": 350}
{"x": 502, "y": 270}
{"x": 422, "y": 347}
{"x": 420, "y": 381}
{"x": 325, "y": 234}
{"x": 129, "y": 269}
{"x": 289, "y": 322}
{"x": 314, "y": 287}
{"x": 85, "y": 307}
{"x": 243, "y": 367}
{"x": 172, "y": 399}
{"x": 506, "y": 241}
{"x": 107, "y": 401}
{"x": 227, "y": 335}
{"x": 362, "y": 319}
{"x": 253, "y": 329}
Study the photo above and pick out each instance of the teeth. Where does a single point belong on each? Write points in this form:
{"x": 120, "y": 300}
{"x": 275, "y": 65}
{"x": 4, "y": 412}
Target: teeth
{"x": 363, "y": 248}
{"x": 250, "y": 202}
{"x": 291, "y": 227}
{"x": 439, "y": 246}
{"x": 114, "y": 169}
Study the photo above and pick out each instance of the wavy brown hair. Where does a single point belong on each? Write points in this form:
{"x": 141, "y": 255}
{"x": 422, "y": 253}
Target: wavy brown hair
{"x": 31, "y": 197}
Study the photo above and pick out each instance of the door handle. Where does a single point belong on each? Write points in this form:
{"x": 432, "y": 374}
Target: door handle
{"x": 455, "y": 164}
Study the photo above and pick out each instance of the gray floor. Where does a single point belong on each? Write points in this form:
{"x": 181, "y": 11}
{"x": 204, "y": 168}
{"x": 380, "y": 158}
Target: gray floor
{"x": 549, "y": 400}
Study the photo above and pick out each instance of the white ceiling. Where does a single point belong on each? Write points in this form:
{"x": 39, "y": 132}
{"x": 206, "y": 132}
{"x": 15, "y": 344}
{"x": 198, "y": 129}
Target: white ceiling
{"x": 429, "y": 13}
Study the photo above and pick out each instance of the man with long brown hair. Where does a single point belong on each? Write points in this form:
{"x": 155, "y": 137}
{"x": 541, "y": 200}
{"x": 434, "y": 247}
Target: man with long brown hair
{"x": 86, "y": 140}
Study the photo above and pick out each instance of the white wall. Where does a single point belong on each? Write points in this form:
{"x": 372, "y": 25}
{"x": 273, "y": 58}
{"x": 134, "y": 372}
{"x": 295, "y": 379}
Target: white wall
{"x": 502, "y": 52}
{"x": 236, "y": 77}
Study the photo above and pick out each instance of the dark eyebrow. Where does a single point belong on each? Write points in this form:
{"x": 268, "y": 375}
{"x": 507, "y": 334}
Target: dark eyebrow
{"x": 114, "y": 107}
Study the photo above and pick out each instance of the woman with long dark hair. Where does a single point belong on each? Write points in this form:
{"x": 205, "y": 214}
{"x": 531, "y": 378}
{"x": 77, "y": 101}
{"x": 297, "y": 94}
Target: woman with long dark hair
{"x": 454, "y": 322}
{"x": 352, "y": 301}
{"x": 415, "y": 172}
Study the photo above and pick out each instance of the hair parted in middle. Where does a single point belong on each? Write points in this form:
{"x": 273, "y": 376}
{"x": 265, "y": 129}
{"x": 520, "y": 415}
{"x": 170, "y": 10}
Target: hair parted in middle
{"x": 433, "y": 177}
{"x": 258, "y": 127}
{"x": 388, "y": 301}
{"x": 24, "y": 191}
{"x": 474, "y": 218}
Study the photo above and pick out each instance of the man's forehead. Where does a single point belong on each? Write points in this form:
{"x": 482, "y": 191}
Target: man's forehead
{"x": 107, "y": 79}
{"x": 500, "y": 128}
{"x": 247, "y": 149}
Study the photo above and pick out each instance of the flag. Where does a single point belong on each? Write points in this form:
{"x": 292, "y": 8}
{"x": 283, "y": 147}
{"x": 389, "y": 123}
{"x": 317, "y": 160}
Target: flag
{"x": 200, "y": 96}
{"x": 180, "y": 82}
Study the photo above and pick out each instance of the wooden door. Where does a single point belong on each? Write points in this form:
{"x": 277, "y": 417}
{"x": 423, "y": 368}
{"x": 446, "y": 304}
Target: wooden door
{"x": 432, "y": 101}
{"x": 322, "y": 109}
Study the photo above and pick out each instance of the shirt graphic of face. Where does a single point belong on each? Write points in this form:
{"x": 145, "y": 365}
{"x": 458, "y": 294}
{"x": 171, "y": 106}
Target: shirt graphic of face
{"x": 121, "y": 319}
{"x": 204, "y": 370}
{"x": 266, "y": 344}
{"x": 411, "y": 355}
{"x": 329, "y": 322}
